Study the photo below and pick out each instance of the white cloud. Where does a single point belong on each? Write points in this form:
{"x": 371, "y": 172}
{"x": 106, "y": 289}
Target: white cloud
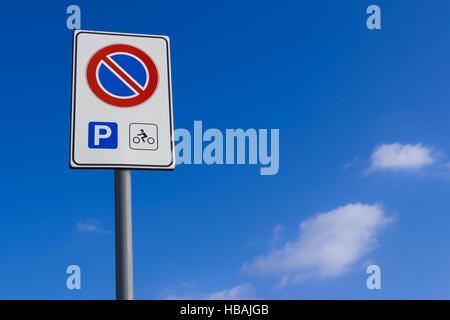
{"x": 241, "y": 292}
{"x": 276, "y": 234}
{"x": 91, "y": 225}
{"x": 175, "y": 297}
{"x": 351, "y": 163}
{"x": 397, "y": 156}
{"x": 328, "y": 244}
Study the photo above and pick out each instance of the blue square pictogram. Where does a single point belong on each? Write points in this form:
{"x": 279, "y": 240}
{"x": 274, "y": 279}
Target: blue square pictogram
{"x": 102, "y": 135}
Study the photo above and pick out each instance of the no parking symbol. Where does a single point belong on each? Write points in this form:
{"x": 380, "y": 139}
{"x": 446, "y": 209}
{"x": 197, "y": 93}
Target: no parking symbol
{"x": 122, "y": 75}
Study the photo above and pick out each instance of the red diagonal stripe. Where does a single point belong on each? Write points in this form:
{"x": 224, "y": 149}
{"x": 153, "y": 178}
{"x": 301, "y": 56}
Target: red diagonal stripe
{"x": 124, "y": 76}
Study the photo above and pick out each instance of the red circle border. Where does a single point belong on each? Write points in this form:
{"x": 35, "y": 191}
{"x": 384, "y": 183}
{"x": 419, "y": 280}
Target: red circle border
{"x": 91, "y": 75}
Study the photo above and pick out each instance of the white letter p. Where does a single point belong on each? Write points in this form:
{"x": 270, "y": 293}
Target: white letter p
{"x": 98, "y": 135}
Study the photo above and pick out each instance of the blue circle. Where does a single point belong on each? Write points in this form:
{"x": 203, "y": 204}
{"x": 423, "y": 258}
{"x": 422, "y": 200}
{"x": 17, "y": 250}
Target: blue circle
{"x": 113, "y": 84}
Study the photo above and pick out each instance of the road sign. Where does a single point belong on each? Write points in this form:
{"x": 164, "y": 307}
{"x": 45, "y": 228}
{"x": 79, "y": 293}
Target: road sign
{"x": 121, "y": 102}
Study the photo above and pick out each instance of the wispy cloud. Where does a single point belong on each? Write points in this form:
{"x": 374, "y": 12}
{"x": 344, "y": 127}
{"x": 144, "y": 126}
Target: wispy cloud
{"x": 443, "y": 171}
{"x": 398, "y": 156}
{"x": 327, "y": 246}
{"x": 351, "y": 163}
{"x": 276, "y": 235}
{"x": 91, "y": 225}
{"x": 175, "y": 297}
{"x": 240, "y": 292}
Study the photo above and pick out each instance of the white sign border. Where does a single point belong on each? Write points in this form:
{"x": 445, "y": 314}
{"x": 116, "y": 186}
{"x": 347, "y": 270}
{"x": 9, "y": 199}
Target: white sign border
{"x": 72, "y": 163}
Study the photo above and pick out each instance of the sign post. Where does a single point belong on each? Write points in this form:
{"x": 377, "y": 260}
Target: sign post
{"x": 121, "y": 119}
{"x": 124, "y": 247}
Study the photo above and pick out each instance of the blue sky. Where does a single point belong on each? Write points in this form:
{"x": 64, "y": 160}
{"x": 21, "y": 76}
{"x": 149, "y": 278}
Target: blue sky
{"x": 363, "y": 119}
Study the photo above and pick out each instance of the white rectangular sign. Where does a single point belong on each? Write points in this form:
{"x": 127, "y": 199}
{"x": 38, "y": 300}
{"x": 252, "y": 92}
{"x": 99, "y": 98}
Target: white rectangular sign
{"x": 121, "y": 102}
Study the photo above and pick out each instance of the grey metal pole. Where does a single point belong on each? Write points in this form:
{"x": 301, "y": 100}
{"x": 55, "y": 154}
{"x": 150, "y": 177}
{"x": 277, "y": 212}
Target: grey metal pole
{"x": 124, "y": 248}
